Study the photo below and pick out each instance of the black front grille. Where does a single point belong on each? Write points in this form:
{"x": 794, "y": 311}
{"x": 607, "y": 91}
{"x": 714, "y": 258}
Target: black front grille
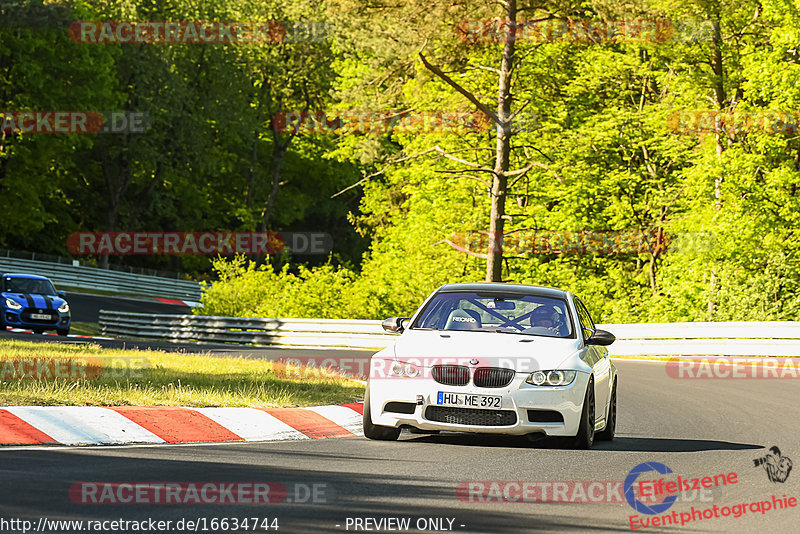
{"x": 545, "y": 416}
{"x": 451, "y": 375}
{"x": 493, "y": 377}
{"x": 470, "y": 416}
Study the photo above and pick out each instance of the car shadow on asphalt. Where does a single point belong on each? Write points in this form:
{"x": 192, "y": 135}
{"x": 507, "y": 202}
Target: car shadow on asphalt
{"x": 620, "y": 443}
{"x": 639, "y": 444}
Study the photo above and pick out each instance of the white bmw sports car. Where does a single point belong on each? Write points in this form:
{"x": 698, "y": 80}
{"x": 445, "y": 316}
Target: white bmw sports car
{"x": 495, "y": 358}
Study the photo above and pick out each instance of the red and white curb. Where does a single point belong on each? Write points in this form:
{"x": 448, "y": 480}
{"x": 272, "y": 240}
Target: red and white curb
{"x": 120, "y": 425}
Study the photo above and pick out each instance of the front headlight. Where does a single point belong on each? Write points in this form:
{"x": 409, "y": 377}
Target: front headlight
{"x": 551, "y": 378}
{"x": 13, "y": 304}
{"x": 64, "y": 308}
{"x": 409, "y": 369}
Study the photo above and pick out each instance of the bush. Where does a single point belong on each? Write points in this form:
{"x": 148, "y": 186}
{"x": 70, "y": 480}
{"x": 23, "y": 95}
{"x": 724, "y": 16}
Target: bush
{"x": 247, "y": 290}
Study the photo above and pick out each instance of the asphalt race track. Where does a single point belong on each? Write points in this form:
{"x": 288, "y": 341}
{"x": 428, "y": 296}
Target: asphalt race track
{"x": 86, "y": 307}
{"x": 695, "y": 427}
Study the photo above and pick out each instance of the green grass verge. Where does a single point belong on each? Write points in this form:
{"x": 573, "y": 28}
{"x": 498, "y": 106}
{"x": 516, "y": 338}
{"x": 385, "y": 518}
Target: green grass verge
{"x": 84, "y": 329}
{"x": 150, "y": 378}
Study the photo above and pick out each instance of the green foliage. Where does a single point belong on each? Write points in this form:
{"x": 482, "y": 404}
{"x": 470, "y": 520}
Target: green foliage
{"x": 602, "y": 156}
{"x": 247, "y": 290}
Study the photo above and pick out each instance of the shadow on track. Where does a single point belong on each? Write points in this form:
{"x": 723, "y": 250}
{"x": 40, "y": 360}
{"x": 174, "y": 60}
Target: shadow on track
{"x": 620, "y": 443}
{"x": 672, "y": 445}
{"x": 40, "y": 481}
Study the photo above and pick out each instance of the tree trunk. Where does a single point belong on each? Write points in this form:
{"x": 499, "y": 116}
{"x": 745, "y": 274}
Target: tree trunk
{"x": 117, "y": 179}
{"x": 251, "y": 177}
{"x": 276, "y": 163}
{"x": 494, "y": 260}
{"x": 719, "y": 100}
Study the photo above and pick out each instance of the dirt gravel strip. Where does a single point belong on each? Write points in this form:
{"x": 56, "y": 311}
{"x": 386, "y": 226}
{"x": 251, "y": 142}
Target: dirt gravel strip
{"x": 122, "y": 425}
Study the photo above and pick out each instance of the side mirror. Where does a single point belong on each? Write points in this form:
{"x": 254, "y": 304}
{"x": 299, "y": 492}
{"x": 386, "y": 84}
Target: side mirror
{"x": 394, "y": 325}
{"x": 62, "y": 294}
{"x": 601, "y": 337}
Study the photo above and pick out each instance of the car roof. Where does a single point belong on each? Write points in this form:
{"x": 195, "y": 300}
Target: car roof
{"x": 500, "y": 287}
{"x": 28, "y": 276}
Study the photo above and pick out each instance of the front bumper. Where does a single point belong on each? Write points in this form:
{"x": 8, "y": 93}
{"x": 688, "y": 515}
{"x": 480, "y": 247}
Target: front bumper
{"x": 518, "y": 398}
{"x": 21, "y": 319}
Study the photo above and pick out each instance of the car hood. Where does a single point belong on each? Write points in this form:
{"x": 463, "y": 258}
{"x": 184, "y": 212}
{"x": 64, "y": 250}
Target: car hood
{"x": 516, "y": 351}
{"x": 39, "y": 301}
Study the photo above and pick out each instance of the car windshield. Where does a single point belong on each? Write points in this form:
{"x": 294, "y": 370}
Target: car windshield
{"x": 28, "y": 285}
{"x": 493, "y": 312}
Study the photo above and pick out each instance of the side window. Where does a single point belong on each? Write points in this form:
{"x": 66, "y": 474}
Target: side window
{"x": 587, "y": 325}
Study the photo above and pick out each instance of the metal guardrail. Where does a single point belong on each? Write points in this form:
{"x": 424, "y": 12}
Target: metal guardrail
{"x": 55, "y": 258}
{"x": 331, "y": 333}
{"x": 728, "y": 339}
{"x": 745, "y": 338}
{"x": 106, "y": 280}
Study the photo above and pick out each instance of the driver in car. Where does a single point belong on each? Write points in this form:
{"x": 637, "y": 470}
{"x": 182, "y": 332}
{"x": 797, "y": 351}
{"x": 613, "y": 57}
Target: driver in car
{"x": 545, "y": 317}
{"x": 542, "y": 317}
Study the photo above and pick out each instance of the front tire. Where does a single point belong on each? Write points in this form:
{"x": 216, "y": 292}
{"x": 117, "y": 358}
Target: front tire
{"x": 378, "y": 432}
{"x": 63, "y": 331}
{"x": 611, "y": 422}
{"x": 585, "y": 437}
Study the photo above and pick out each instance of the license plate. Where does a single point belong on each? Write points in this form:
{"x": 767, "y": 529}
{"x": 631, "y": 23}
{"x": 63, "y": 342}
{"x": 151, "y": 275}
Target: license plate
{"x": 41, "y": 316}
{"x": 469, "y": 400}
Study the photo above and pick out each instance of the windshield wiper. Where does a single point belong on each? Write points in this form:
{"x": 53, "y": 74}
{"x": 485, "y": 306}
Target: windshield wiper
{"x": 508, "y": 332}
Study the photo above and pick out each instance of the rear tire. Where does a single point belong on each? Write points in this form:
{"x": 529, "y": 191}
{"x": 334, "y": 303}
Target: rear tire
{"x": 585, "y": 437}
{"x": 63, "y": 331}
{"x": 611, "y": 422}
{"x": 371, "y": 431}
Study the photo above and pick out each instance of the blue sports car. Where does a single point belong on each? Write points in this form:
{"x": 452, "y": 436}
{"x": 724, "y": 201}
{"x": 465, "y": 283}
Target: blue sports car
{"x": 31, "y": 302}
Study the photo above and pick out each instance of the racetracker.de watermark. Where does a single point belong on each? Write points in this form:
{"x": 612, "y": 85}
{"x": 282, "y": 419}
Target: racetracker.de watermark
{"x": 397, "y": 368}
{"x": 188, "y": 493}
{"x": 340, "y": 122}
{"x": 459, "y": 369}
{"x": 72, "y": 368}
{"x": 585, "y": 31}
{"x": 572, "y": 491}
{"x": 734, "y": 122}
{"x": 527, "y": 242}
{"x": 322, "y": 367}
{"x": 763, "y": 367}
{"x": 198, "y": 32}
{"x": 203, "y": 243}
{"x": 74, "y": 122}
